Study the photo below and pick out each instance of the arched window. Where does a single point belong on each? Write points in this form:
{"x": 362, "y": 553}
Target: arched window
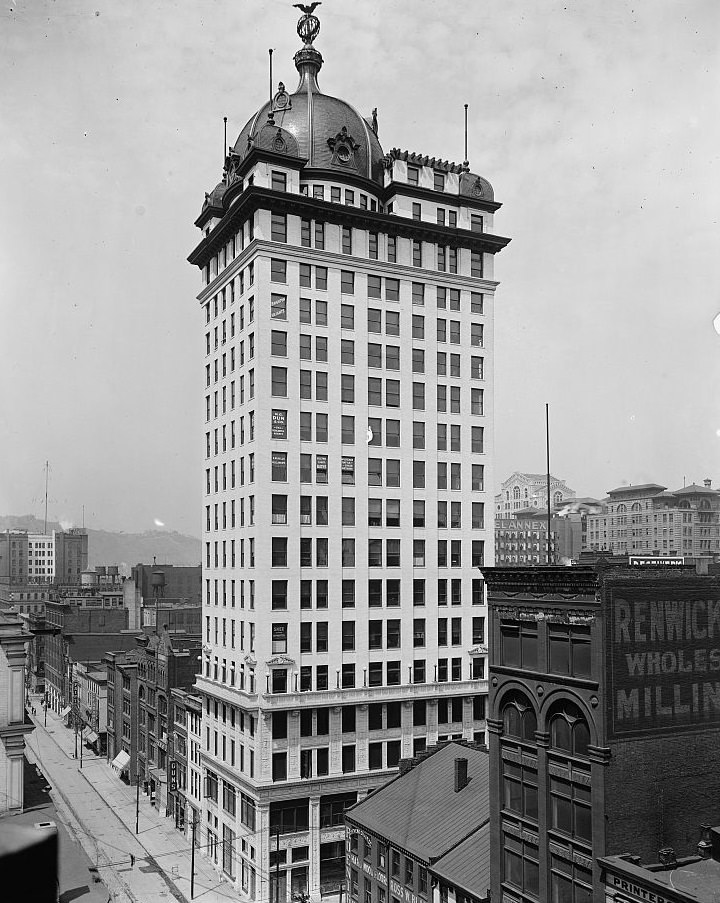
{"x": 636, "y": 506}
{"x": 557, "y": 498}
{"x": 704, "y": 504}
{"x": 569, "y": 731}
{"x": 570, "y": 813}
{"x": 516, "y": 492}
{"x": 519, "y": 719}
{"x": 519, "y": 766}
{"x": 526, "y": 492}
{"x": 621, "y": 509}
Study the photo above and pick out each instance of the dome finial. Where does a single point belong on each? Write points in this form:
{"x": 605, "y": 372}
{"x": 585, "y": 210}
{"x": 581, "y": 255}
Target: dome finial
{"x": 308, "y": 26}
{"x": 307, "y": 60}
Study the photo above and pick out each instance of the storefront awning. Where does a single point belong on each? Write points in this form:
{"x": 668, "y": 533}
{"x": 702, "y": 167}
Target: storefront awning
{"x": 66, "y": 711}
{"x": 121, "y": 760}
{"x": 91, "y": 736}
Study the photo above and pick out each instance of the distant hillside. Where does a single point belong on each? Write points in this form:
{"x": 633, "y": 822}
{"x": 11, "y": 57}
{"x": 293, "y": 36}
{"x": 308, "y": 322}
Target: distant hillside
{"x": 105, "y": 547}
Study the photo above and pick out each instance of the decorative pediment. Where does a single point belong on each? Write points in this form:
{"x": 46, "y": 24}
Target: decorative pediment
{"x": 344, "y": 148}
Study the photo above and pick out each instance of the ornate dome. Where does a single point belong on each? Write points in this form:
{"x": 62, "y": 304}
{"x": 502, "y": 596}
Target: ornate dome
{"x": 326, "y": 131}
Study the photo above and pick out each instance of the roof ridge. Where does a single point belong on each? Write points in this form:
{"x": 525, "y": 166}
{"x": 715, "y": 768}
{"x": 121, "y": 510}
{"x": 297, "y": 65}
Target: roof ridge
{"x": 434, "y": 859}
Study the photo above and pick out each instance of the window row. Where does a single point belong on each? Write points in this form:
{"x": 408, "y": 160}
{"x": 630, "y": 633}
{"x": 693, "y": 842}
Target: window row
{"x": 379, "y": 592}
{"x": 380, "y": 553}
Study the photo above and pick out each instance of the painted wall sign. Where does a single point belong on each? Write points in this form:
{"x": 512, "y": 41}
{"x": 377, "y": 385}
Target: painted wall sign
{"x": 635, "y": 891}
{"x": 663, "y": 657}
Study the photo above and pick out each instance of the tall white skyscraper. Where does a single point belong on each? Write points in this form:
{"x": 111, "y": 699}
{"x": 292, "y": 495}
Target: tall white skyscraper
{"x": 347, "y": 307}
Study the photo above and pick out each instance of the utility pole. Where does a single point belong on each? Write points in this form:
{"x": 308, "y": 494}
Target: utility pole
{"x": 277, "y": 863}
{"x": 81, "y": 745}
{"x": 192, "y": 856}
{"x": 75, "y": 721}
{"x": 137, "y": 801}
{"x": 547, "y": 454}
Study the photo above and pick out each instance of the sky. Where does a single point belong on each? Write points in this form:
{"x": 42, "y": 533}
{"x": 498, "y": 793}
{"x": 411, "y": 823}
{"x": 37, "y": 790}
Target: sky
{"x": 596, "y": 123}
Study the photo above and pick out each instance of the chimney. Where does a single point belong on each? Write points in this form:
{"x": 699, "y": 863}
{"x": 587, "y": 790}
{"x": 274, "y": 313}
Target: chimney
{"x": 667, "y": 857}
{"x": 461, "y": 773}
{"x": 704, "y": 847}
{"x": 707, "y": 482}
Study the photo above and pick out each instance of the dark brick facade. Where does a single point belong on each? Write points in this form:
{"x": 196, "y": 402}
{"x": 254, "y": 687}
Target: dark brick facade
{"x": 590, "y": 754}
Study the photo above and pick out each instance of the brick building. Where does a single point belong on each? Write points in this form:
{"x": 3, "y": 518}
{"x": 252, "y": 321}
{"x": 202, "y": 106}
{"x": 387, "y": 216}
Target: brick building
{"x": 424, "y": 836}
{"x": 671, "y": 879}
{"x": 603, "y": 692}
{"x": 166, "y": 662}
{"x": 122, "y": 711}
{"x": 650, "y": 520}
{"x": 87, "y": 626}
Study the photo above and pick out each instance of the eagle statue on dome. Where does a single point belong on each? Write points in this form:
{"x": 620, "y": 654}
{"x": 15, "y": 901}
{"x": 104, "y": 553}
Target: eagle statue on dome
{"x": 307, "y": 9}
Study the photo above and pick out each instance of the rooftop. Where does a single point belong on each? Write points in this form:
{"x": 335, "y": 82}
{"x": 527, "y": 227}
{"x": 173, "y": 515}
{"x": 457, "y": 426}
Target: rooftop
{"x": 420, "y": 811}
{"x": 467, "y": 865}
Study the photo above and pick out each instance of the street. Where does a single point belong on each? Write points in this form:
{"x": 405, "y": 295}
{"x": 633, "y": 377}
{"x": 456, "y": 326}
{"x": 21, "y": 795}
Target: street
{"x": 99, "y": 810}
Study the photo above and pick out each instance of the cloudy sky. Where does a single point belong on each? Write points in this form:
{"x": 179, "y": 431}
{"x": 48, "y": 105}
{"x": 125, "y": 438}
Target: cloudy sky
{"x": 597, "y": 124}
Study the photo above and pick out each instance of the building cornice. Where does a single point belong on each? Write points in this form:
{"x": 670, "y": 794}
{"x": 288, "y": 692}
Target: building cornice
{"x": 254, "y": 198}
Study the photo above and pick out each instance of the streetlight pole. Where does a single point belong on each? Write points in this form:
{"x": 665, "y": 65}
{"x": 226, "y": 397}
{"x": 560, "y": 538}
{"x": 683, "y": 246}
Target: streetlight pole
{"x": 137, "y": 803}
{"x": 192, "y": 856}
{"x": 75, "y": 722}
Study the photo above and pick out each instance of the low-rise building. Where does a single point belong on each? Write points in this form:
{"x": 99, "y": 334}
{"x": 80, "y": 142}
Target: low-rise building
{"x": 90, "y": 700}
{"x": 87, "y": 624}
{"x": 122, "y": 711}
{"x": 689, "y": 879}
{"x": 425, "y": 835}
{"x": 14, "y": 723}
{"x": 167, "y": 661}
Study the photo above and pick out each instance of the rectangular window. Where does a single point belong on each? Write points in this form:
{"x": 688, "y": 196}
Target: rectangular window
{"x": 278, "y": 307}
{"x": 278, "y": 270}
{"x": 392, "y": 248}
{"x": 373, "y": 245}
{"x": 392, "y": 433}
{"x": 374, "y": 320}
{"x": 278, "y": 343}
{"x": 347, "y": 282}
{"x": 347, "y": 388}
{"x": 347, "y": 240}
{"x": 278, "y": 384}
{"x": 477, "y": 401}
{"x": 476, "y": 263}
{"x": 278, "y": 227}
{"x": 439, "y": 181}
{"x": 418, "y": 327}
{"x": 392, "y": 393}
{"x": 279, "y": 181}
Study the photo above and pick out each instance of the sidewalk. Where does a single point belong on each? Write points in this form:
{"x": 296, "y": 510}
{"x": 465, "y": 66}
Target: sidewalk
{"x": 164, "y": 850}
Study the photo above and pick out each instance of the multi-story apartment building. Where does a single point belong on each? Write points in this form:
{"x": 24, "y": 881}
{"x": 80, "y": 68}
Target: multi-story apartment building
{"x": 649, "y": 520}
{"x": 344, "y": 519}
{"x": 523, "y": 540}
{"x": 32, "y": 563}
{"x": 529, "y": 490}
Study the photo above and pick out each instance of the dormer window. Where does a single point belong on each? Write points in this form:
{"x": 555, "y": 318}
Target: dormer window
{"x": 439, "y": 181}
{"x": 413, "y": 175}
{"x": 279, "y": 181}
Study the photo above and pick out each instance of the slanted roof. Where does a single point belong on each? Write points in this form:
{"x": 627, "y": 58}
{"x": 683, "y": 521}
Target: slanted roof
{"x": 467, "y": 865}
{"x": 694, "y": 489}
{"x": 420, "y": 812}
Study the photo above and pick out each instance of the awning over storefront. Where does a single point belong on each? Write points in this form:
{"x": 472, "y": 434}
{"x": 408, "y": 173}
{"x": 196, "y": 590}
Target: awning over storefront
{"x": 120, "y": 762}
{"x": 66, "y": 711}
{"x": 91, "y": 736}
